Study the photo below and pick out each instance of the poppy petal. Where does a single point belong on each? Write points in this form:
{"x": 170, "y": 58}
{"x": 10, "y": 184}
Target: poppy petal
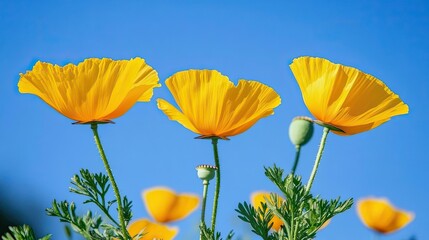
{"x": 345, "y": 97}
{"x": 213, "y": 106}
{"x": 151, "y": 230}
{"x": 93, "y": 90}
{"x": 175, "y": 115}
{"x": 164, "y": 205}
{"x": 380, "y": 215}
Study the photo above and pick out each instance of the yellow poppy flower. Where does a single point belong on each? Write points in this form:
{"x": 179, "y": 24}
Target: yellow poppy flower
{"x": 210, "y": 104}
{"x": 381, "y": 216}
{"x": 151, "y": 230}
{"x": 257, "y": 198}
{"x": 164, "y": 205}
{"x": 95, "y": 90}
{"x": 345, "y": 97}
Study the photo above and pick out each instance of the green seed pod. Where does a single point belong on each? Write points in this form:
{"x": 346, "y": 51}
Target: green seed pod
{"x": 206, "y": 172}
{"x": 301, "y": 130}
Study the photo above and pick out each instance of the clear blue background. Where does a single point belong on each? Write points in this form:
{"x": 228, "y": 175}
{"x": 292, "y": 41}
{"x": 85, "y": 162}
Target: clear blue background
{"x": 40, "y": 149}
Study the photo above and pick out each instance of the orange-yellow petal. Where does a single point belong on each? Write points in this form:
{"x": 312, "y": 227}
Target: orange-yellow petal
{"x": 93, "y": 90}
{"x": 164, "y": 205}
{"x": 210, "y": 105}
{"x": 151, "y": 230}
{"x": 325, "y": 224}
{"x": 345, "y": 97}
{"x": 176, "y": 115}
{"x": 257, "y": 198}
{"x": 381, "y": 216}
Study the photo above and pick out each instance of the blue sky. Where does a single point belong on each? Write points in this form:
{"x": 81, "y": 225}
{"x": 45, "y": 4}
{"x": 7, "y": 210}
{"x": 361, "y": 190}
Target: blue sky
{"x": 256, "y": 40}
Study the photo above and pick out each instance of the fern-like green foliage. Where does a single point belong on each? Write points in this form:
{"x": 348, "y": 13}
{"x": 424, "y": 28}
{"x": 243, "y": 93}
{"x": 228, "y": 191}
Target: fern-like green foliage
{"x": 95, "y": 187}
{"x": 208, "y": 234}
{"x": 22, "y": 233}
{"x": 259, "y": 218}
{"x": 302, "y": 214}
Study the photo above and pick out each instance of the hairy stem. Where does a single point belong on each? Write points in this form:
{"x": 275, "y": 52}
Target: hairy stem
{"x": 112, "y": 180}
{"x": 295, "y": 163}
{"x": 317, "y": 161}
{"x": 203, "y": 206}
{"x": 217, "y": 188}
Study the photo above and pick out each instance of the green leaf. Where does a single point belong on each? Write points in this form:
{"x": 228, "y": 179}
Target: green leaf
{"x": 259, "y": 219}
{"x": 302, "y": 213}
{"x": 22, "y": 233}
{"x": 208, "y": 234}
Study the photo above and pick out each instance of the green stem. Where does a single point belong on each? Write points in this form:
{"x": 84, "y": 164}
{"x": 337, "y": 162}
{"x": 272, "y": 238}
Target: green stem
{"x": 317, "y": 161}
{"x": 112, "y": 180}
{"x": 203, "y": 206}
{"x": 295, "y": 163}
{"x": 217, "y": 188}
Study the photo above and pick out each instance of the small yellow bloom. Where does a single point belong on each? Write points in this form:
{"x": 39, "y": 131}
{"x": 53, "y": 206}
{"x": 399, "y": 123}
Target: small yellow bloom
{"x": 381, "y": 216}
{"x": 210, "y": 104}
{"x": 345, "y": 97}
{"x": 95, "y": 90}
{"x": 151, "y": 230}
{"x": 257, "y": 198}
{"x": 164, "y": 205}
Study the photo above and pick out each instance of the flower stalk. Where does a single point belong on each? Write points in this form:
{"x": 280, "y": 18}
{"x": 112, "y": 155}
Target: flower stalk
{"x": 203, "y": 205}
{"x": 318, "y": 158}
{"x": 295, "y": 163}
{"x": 112, "y": 180}
{"x": 217, "y": 187}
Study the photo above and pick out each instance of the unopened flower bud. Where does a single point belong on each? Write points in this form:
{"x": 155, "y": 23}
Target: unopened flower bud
{"x": 206, "y": 172}
{"x": 301, "y": 130}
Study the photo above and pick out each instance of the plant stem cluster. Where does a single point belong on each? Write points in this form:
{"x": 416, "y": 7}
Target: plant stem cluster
{"x": 302, "y": 214}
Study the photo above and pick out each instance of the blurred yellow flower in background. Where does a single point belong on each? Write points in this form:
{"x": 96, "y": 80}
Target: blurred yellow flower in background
{"x": 151, "y": 230}
{"x": 257, "y": 198}
{"x": 95, "y": 90}
{"x": 210, "y": 104}
{"x": 381, "y": 216}
{"x": 345, "y": 97}
{"x": 164, "y": 206}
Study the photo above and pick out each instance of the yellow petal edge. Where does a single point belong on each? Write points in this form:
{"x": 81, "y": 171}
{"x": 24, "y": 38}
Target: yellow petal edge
{"x": 164, "y": 205}
{"x": 210, "y": 105}
{"x": 94, "y": 90}
{"x": 380, "y": 215}
{"x": 151, "y": 230}
{"x": 345, "y": 97}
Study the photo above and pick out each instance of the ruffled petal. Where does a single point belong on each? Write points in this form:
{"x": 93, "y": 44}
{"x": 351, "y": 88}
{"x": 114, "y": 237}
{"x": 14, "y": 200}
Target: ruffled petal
{"x": 344, "y": 96}
{"x": 175, "y": 115}
{"x": 93, "y": 90}
{"x": 151, "y": 230}
{"x": 215, "y": 107}
{"x": 134, "y": 82}
{"x": 44, "y": 81}
{"x": 164, "y": 205}
{"x": 245, "y": 105}
{"x": 317, "y": 81}
{"x": 200, "y": 95}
